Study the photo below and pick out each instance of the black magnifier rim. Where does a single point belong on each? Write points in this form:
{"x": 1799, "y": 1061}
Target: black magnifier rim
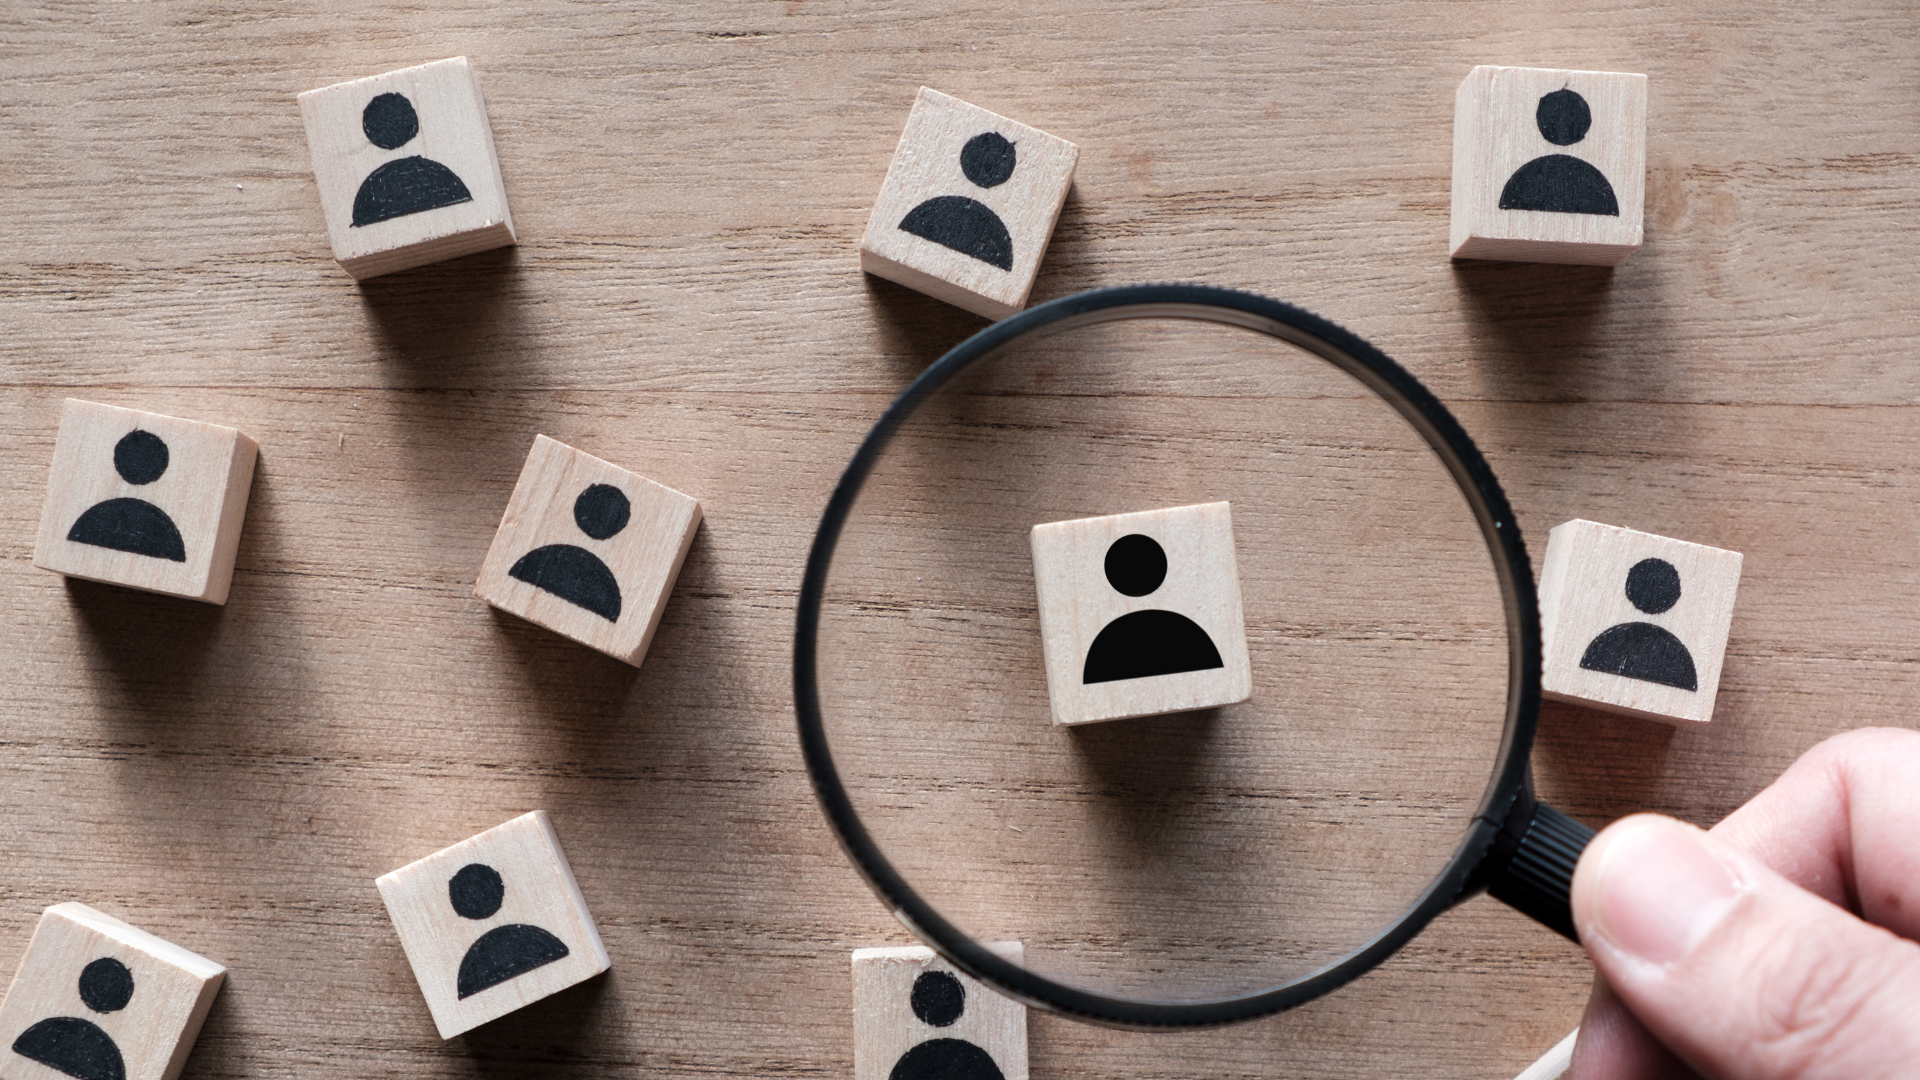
{"x": 1427, "y": 416}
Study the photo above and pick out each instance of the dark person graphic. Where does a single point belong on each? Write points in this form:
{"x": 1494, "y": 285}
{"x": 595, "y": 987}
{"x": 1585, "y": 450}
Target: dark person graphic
{"x": 503, "y": 952}
{"x": 406, "y": 185}
{"x": 1143, "y": 643}
{"x": 575, "y": 574}
{"x": 938, "y": 999}
{"x": 1560, "y": 182}
{"x": 963, "y": 224}
{"x": 127, "y": 524}
{"x": 78, "y": 1047}
{"x": 1641, "y": 650}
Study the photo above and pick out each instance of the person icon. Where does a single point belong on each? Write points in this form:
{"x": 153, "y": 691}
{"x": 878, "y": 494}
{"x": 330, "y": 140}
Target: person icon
{"x": 575, "y": 574}
{"x": 503, "y": 952}
{"x": 1641, "y": 650}
{"x": 129, "y": 524}
{"x": 79, "y": 1047}
{"x": 1140, "y": 644}
{"x": 406, "y": 185}
{"x": 1561, "y": 183}
{"x": 939, "y": 1000}
{"x": 967, "y": 225}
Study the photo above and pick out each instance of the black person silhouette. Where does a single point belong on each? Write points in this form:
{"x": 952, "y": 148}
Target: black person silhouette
{"x": 1151, "y": 642}
{"x": 503, "y": 952}
{"x": 407, "y": 185}
{"x": 1641, "y": 650}
{"x": 1561, "y": 183}
{"x": 939, "y": 1000}
{"x": 78, "y": 1047}
{"x": 127, "y": 524}
{"x": 964, "y": 224}
{"x": 575, "y": 574}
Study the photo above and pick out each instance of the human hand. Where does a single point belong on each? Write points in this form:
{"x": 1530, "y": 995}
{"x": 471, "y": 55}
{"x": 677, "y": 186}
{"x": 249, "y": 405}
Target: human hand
{"x": 1779, "y": 945}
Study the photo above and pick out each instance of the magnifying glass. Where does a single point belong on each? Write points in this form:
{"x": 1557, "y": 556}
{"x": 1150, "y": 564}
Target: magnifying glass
{"x": 1192, "y": 868}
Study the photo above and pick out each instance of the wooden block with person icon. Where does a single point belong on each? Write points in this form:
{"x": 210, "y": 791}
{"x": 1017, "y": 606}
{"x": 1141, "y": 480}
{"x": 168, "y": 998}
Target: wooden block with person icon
{"x": 97, "y": 999}
{"x": 588, "y": 550}
{"x": 1140, "y": 613}
{"x": 147, "y": 501}
{"x": 1549, "y": 165}
{"x": 916, "y": 1018}
{"x": 493, "y": 923}
{"x": 406, "y": 168}
{"x": 1635, "y": 623}
{"x": 968, "y": 206}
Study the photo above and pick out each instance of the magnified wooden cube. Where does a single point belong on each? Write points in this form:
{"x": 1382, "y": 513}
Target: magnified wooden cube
{"x": 406, "y": 168}
{"x": 968, "y": 206}
{"x": 100, "y": 1000}
{"x": 493, "y": 923}
{"x": 588, "y": 550}
{"x": 1635, "y": 623}
{"x": 914, "y": 1016}
{"x": 1140, "y": 613}
{"x": 1549, "y": 165}
{"x": 147, "y": 501}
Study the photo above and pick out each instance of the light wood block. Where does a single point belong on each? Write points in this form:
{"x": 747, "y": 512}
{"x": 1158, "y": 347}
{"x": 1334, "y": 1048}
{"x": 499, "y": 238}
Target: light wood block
{"x": 406, "y": 168}
{"x": 147, "y": 501}
{"x": 493, "y": 923}
{"x": 1155, "y": 592}
{"x": 588, "y": 550}
{"x": 1635, "y": 623}
{"x": 1549, "y": 166}
{"x": 97, "y": 999}
{"x": 968, "y": 206}
{"x": 916, "y": 1018}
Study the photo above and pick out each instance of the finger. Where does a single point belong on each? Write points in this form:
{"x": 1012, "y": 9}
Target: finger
{"x": 1839, "y": 824}
{"x": 1739, "y": 971}
{"x": 1613, "y": 1045}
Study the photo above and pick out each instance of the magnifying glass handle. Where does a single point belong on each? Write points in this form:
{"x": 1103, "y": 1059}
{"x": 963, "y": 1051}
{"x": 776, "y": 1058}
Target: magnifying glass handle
{"x": 1530, "y": 866}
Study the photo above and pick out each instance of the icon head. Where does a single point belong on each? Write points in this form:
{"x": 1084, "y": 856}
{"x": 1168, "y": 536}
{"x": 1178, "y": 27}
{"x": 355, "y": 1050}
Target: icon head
{"x": 476, "y": 891}
{"x": 1136, "y": 564}
{"x": 987, "y": 159}
{"x": 1563, "y": 117}
{"x": 938, "y": 998}
{"x": 602, "y": 511}
{"x": 140, "y": 457}
{"x": 1653, "y": 585}
{"x": 106, "y": 985}
{"x": 389, "y": 121}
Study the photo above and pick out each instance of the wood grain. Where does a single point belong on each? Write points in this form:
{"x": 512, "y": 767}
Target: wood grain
{"x": 689, "y": 185}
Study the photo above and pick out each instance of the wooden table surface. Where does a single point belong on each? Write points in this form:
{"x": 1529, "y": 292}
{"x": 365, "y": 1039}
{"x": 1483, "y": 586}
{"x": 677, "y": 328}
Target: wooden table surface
{"x": 690, "y": 182}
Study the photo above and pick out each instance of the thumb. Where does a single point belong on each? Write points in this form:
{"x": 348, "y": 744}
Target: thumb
{"x": 1739, "y": 971}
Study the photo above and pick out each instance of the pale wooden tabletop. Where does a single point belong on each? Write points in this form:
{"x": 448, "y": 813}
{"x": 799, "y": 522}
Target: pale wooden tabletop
{"x": 690, "y": 182}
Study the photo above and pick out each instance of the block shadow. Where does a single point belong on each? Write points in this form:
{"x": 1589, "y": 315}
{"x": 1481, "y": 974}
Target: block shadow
{"x": 556, "y": 1036}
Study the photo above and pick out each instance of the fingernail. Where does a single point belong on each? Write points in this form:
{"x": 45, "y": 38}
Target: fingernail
{"x": 1661, "y": 889}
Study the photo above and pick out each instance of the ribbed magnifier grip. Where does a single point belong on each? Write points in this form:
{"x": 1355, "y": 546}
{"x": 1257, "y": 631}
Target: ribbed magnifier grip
{"x": 1539, "y": 880}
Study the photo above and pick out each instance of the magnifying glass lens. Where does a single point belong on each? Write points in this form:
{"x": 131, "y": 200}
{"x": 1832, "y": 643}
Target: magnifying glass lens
{"x": 1183, "y": 857}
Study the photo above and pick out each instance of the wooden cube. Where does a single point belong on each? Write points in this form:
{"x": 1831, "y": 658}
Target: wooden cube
{"x": 915, "y": 1016}
{"x": 1140, "y": 613}
{"x": 968, "y": 206}
{"x": 147, "y": 501}
{"x": 493, "y": 923}
{"x": 96, "y": 998}
{"x": 406, "y": 168}
{"x": 1549, "y": 166}
{"x": 588, "y": 550}
{"x": 1635, "y": 623}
